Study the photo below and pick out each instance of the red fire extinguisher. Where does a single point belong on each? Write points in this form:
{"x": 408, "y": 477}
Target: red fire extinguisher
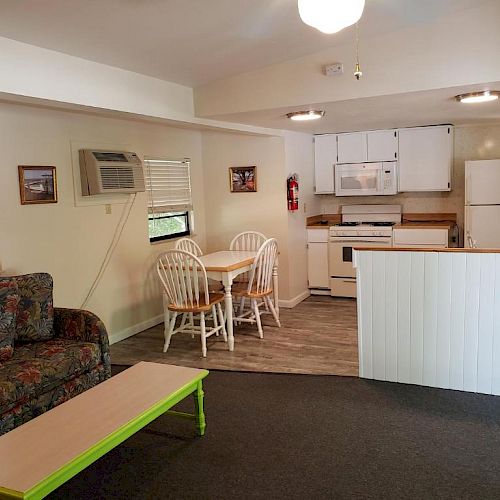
{"x": 293, "y": 192}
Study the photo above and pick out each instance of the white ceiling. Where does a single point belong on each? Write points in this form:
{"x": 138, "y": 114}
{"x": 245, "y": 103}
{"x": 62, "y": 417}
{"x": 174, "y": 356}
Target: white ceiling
{"x": 193, "y": 42}
{"x": 430, "y": 107}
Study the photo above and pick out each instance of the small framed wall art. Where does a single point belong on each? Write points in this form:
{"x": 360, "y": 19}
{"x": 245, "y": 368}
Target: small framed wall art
{"x": 243, "y": 179}
{"x": 37, "y": 184}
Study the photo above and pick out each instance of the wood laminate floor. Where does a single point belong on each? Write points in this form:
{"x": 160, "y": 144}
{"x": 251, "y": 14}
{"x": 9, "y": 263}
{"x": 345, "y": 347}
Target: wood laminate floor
{"x": 318, "y": 336}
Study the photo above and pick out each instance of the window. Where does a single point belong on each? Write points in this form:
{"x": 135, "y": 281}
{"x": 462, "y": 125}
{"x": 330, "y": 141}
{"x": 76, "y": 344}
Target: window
{"x": 169, "y": 198}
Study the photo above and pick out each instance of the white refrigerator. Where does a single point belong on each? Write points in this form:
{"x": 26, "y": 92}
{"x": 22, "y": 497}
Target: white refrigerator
{"x": 482, "y": 204}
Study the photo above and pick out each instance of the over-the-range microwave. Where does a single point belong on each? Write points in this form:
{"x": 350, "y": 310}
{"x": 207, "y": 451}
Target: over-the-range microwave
{"x": 366, "y": 179}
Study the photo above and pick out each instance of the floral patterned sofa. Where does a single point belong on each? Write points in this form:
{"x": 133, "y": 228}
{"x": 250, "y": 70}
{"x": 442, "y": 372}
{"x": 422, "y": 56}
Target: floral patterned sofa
{"x": 47, "y": 355}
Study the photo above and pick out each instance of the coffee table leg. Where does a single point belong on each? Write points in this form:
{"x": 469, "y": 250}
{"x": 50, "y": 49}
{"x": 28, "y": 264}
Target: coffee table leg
{"x": 198, "y": 402}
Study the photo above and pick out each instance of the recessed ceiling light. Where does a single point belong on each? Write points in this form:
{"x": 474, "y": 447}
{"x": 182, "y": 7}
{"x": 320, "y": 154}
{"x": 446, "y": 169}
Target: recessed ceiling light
{"x": 302, "y": 116}
{"x": 473, "y": 97}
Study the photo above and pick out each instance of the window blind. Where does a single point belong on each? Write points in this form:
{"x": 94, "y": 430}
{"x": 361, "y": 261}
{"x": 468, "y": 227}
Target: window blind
{"x": 168, "y": 185}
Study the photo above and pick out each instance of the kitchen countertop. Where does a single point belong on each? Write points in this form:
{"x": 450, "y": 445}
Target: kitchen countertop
{"x": 331, "y": 220}
{"x": 425, "y": 225}
{"x": 425, "y": 249}
{"x": 409, "y": 221}
{"x": 319, "y": 226}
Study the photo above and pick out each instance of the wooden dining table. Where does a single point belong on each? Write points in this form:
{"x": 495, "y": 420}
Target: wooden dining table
{"x": 225, "y": 266}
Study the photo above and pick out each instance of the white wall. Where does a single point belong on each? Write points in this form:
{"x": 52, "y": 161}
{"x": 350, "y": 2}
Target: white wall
{"x": 458, "y": 49}
{"x": 299, "y": 159}
{"x": 70, "y": 242}
{"x": 35, "y": 72}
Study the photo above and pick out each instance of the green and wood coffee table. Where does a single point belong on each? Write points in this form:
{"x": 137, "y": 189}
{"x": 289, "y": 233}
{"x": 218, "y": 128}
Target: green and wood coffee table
{"x": 47, "y": 451}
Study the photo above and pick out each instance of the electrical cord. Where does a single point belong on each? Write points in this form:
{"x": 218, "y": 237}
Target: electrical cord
{"x": 127, "y": 208}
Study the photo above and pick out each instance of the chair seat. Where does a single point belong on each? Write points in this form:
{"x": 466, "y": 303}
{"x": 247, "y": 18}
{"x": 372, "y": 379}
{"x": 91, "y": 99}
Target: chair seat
{"x": 241, "y": 290}
{"x": 214, "y": 298}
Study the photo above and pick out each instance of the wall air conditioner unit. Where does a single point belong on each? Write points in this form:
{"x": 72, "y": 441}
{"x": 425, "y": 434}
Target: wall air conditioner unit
{"x": 104, "y": 172}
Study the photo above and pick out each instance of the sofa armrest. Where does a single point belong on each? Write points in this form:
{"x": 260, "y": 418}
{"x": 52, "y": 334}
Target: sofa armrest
{"x": 77, "y": 324}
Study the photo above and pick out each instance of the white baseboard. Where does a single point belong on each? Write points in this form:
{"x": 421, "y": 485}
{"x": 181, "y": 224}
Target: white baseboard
{"x": 156, "y": 320}
{"x": 288, "y": 304}
{"x": 320, "y": 291}
{"x": 137, "y": 328}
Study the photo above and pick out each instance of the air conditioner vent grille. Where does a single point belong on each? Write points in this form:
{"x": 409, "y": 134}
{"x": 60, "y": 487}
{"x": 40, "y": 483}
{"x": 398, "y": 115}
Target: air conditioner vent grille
{"x": 117, "y": 178}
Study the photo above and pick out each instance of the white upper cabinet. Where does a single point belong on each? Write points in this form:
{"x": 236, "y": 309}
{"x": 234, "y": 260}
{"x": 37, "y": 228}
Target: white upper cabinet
{"x": 382, "y": 145}
{"x": 352, "y": 148}
{"x": 361, "y": 147}
{"x": 325, "y": 157}
{"x": 425, "y": 158}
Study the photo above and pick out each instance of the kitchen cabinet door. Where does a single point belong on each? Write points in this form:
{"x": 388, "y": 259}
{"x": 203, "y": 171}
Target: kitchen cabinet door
{"x": 482, "y": 182}
{"x": 352, "y": 148}
{"x": 382, "y": 145}
{"x": 317, "y": 265}
{"x": 425, "y": 158}
{"x": 420, "y": 237}
{"x": 325, "y": 157}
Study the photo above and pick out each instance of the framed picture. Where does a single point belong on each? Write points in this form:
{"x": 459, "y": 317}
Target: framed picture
{"x": 243, "y": 179}
{"x": 37, "y": 184}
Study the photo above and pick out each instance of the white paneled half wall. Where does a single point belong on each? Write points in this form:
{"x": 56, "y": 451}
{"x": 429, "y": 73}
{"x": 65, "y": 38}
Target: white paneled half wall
{"x": 430, "y": 318}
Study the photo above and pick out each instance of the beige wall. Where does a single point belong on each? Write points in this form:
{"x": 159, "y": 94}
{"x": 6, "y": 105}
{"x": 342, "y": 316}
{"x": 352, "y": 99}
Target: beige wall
{"x": 228, "y": 214}
{"x": 70, "y": 242}
{"x": 471, "y": 143}
{"x": 299, "y": 159}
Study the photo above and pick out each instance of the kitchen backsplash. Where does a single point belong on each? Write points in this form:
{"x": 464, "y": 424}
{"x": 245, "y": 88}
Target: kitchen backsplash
{"x": 471, "y": 143}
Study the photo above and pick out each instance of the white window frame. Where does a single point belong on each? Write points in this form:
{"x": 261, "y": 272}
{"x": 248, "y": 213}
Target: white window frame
{"x": 168, "y": 187}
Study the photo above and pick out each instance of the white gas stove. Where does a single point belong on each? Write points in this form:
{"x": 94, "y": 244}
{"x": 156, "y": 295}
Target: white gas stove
{"x": 362, "y": 225}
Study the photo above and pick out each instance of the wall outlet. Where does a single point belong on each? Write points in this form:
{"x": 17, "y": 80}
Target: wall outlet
{"x": 107, "y": 208}
{"x": 333, "y": 69}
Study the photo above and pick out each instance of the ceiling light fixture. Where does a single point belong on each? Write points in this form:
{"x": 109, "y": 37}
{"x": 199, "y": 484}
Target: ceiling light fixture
{"x": 475, "y": 97}
{"x": 357, "y": 70}
{"x": 302, "y": 116}
{"x": 330, "y": 16}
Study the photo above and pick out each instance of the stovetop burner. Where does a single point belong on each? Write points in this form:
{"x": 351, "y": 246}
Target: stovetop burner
{"x": 374, "y": 224}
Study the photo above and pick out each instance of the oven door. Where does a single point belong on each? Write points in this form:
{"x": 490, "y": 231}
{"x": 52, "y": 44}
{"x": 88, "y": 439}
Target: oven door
{"x": 359, "y": 179}
{"x": 340, "y": 253}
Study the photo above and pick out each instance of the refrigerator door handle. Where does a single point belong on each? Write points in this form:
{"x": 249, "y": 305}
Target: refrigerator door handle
{"x": 467, "y": 189}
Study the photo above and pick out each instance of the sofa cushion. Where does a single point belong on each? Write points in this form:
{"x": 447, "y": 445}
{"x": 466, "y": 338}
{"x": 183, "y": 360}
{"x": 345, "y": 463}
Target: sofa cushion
{"x": 35, "y": 313}
{"x": 9, "y": 298}
{"x": 39, "y": 367}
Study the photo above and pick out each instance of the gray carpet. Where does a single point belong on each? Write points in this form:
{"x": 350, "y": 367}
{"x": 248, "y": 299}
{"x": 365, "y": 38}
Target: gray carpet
{"x": 299, "y": 436}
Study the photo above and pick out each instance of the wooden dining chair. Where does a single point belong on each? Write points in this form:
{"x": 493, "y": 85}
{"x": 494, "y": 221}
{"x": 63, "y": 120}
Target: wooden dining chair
{"x": 259, "y": 287}
{"x": 248, "y": 240}
{"x": 185, "y": 291}
{"x": 188, "y": 245}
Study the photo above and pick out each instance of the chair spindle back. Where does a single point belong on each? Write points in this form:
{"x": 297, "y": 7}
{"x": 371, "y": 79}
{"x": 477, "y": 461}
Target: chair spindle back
{"x": 261, "y": 274}
{"x": 248, "y": 240}
{"x": 184, "y": 279}
{"x": 188, "y": 245}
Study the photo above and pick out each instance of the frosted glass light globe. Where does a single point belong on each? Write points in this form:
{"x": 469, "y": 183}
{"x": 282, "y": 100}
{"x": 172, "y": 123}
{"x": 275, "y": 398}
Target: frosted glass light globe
{"x": 330, "y": 16}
